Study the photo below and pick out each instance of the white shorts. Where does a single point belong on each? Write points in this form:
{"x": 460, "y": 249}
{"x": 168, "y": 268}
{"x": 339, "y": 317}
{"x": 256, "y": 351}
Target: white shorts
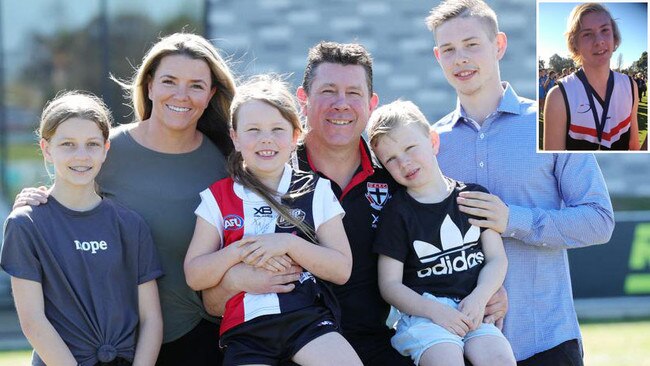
{"x": 415, "y": 334}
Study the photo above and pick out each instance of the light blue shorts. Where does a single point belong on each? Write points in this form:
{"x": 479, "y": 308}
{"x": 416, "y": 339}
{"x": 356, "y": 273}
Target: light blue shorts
{"x": 415, "y": 334}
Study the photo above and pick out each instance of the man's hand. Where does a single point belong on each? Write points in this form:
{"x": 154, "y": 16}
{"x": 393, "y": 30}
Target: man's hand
{"x": 242, "y": 277}
{"x": 485, "y": 205}
{"x": 474, "y": 308}
{"x": 31, "y": 196}
{"x": 496, "y": 308}
{"x": 451, "y": 319}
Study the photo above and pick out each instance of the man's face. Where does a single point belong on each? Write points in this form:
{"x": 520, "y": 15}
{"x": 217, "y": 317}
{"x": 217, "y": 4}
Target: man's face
{"x": 338, "y": 105}
{"x": 468, "y": 56}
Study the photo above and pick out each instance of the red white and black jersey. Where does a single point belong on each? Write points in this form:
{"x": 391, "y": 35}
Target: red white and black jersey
{"x": 237, "y": 212}
{"x": 363, "y": 310}
{"x": 440, "y": 249}
{"x": 583, "y": 120}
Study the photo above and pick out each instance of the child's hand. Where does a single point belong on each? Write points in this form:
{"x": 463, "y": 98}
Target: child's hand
{"x": 242, "y": 246}
{"x": 278, "y": 264}
{"x": 451, "y": 319}
{"x": 263, "y": 248}
{"x": 474, "y": 308}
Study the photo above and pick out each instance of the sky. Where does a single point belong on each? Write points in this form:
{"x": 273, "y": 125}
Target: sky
{"x": 630, "y": 17}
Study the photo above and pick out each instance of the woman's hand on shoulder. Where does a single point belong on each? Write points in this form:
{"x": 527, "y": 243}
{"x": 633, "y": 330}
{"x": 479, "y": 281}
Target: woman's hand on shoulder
{"x": 31, "y": 196}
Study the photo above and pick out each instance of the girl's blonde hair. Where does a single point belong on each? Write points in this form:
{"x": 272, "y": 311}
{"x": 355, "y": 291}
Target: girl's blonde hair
{"x": 574, "y": 24}
{"x": 214, "y": 120}
{"x": 74, "y": 104}
{"x": 272, "y": 90}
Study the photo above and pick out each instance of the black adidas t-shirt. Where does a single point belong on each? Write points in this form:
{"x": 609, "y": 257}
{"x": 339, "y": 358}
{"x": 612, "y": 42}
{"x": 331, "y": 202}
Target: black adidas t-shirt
{"x": 441, "y": 251}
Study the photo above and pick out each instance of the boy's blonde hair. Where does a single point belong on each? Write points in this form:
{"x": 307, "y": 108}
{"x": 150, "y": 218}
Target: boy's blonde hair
{"x": 450, "y": 9}
{"x": 395, "y": 115}
{"x": 575, "y": 23}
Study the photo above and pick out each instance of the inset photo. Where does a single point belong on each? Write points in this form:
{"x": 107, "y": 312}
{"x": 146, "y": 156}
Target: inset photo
{"x": 593, "y": 73}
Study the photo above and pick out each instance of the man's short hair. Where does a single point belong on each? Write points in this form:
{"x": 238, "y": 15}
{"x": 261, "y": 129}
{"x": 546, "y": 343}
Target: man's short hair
{"x": 337, "y": 53}
{"x": 574, "y": 24}
{"x": 450, "y": 9}
{"x": 395, "y": 115}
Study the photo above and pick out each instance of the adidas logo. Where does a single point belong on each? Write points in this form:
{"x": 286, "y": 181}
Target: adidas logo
{"x": 452, "y": 241}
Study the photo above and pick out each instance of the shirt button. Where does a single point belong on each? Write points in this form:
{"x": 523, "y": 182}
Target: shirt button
{"x": 482, "y": 136}
{"x": 481, "y": 164}
{"x": 512, "y": 234}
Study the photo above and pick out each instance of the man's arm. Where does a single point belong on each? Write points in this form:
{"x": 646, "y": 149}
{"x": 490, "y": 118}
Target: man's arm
{"x": 585, "y": 217}
{"x": 242, "y": 277}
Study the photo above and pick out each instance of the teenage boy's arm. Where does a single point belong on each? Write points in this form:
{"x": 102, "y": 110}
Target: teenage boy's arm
{"x": 490, "y": 278}
{"x": 585, "y": 217}
{"x": 410, "y": 302}
{"x": 47, "y": 343}
{"x": 150, "y": 325}
{"x": 634, "y": 124}
{"x": 555, "y": 120}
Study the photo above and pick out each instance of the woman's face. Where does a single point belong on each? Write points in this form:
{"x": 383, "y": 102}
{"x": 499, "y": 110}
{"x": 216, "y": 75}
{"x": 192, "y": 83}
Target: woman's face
{"x": 596, "y": 39}
{"x": 179, "y": 91}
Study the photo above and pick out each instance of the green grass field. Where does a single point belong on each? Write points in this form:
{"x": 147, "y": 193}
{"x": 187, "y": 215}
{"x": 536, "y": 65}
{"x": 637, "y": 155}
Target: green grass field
{"x": 606, "y": 344}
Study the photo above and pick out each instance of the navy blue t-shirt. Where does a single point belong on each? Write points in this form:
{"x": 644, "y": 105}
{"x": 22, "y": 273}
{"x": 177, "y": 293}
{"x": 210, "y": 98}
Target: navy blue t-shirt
{"x": 89, "y": 265}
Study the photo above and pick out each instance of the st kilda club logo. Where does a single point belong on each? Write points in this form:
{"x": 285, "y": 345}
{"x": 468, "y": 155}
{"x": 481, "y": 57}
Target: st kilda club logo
{"x": 377, "y": 194}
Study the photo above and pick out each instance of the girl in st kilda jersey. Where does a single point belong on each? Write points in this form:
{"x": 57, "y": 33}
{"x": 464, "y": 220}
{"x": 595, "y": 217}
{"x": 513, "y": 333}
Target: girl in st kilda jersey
{"x": 272, "y": 217}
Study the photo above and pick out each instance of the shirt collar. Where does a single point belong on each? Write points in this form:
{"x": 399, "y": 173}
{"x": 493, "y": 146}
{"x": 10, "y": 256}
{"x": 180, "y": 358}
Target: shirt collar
{"x": 509, "y": 103}
{"x": 248, "y": 195}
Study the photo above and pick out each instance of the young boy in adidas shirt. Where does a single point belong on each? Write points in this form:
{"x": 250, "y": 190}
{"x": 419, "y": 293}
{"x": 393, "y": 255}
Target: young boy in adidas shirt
{"x": 435, "y": 267}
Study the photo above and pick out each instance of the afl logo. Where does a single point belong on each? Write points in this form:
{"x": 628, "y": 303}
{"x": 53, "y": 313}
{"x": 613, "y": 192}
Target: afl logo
{"x": 233, "y": 222}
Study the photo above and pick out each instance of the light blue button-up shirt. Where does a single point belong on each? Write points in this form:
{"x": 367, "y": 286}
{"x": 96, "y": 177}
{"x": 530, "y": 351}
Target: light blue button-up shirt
{"x": 556, "y": 202}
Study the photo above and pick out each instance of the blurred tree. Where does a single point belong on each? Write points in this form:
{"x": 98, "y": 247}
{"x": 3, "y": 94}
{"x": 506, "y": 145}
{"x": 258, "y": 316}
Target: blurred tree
{"x": 541, "y": 64}
{"x": 641, "y": 65}
{"x": 559, "y": 63}
{"x": 72, "y": 58}
{"x": 619, "y": 62}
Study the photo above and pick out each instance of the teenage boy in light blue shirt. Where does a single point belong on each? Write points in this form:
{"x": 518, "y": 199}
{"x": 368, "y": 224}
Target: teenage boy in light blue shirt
{"x": 541, "y": 204}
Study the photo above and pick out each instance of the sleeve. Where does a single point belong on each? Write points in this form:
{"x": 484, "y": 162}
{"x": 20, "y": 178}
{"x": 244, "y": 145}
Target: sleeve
{"x": 585, "y": 218}
{"x": 392, "y": 238}
{"x": 325, "y": 205}
{"x": 209, "y": 210}
{"x": 19, "y": 256}
{"x": 149, "y": 267}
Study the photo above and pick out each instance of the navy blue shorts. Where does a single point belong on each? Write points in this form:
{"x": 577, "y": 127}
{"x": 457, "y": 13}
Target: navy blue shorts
{"x": 273, "y": 339}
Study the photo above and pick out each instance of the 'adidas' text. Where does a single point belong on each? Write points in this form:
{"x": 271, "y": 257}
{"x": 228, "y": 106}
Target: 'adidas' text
{"x": 446, "y": 265}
